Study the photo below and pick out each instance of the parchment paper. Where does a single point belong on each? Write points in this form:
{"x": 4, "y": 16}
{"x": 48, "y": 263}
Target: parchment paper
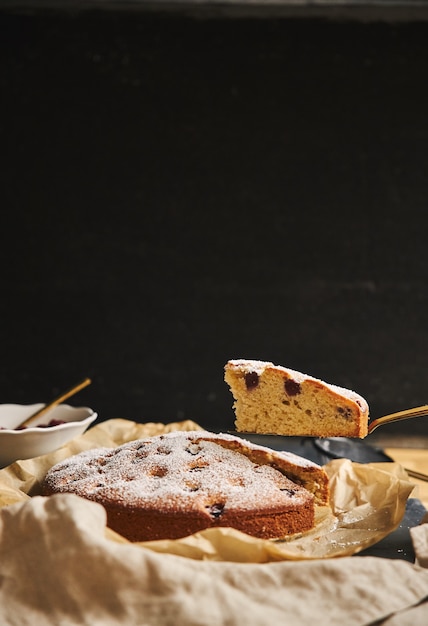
{"x": 367, "y": 503}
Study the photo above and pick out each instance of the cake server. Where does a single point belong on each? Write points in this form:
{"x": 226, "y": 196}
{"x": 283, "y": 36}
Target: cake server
{"x": 343, "y": 447}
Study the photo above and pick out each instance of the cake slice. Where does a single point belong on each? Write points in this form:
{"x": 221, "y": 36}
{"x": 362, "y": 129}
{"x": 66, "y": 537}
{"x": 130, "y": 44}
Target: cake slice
{"x": 272, "y": 399}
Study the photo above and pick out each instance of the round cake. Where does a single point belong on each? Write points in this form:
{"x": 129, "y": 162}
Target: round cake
{"x": 174, "y": 485}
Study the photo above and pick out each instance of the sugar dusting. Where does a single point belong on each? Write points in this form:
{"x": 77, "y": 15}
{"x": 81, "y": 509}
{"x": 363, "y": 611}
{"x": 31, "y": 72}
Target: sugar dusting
{"x": 179, "y": 470}
{"x": 259, "y": 367}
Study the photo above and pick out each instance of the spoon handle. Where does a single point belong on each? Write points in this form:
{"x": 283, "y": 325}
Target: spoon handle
{"x": 67, "y": 394}
{"x": 418, "y": 411}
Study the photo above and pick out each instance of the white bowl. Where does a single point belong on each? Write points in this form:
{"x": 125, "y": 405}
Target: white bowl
{"x": 33, "y": 441}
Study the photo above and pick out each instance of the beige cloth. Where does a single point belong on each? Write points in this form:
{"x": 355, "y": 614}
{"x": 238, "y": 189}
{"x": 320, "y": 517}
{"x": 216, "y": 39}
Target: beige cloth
{"x": 59, "y": 568}
{"x": 367, "y": 503}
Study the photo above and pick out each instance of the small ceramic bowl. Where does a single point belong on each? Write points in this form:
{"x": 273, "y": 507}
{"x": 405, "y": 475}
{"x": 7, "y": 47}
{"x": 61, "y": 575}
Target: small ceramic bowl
{"x": 34, "y": 441}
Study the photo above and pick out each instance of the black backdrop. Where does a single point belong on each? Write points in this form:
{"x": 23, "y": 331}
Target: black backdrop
{"x": 178, "y": 191}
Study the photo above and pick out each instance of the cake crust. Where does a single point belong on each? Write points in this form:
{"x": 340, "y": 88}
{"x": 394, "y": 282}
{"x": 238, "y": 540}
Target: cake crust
{"x": 173, "y": 485}
{"x": 272, "y": 399}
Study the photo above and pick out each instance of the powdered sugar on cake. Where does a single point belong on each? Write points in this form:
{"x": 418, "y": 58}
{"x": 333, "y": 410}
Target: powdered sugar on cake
{"x": 259, "y": 367}
{"x": 179, "y": 469}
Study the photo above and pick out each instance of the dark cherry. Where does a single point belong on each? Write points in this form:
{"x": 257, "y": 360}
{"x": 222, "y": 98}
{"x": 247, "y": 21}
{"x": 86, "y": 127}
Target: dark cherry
{"x": 345, "y": 412}
{"x": 251, "y": 380}
{"x": 216, "y": 510}
{"x": 53, "y": 422}
{"x": 292, "y": 387}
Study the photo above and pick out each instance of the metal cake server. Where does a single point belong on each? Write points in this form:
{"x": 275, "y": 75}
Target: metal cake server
{"x": 353, "y": 449}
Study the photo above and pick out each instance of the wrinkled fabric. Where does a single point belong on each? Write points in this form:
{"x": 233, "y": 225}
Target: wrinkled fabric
{"x": 59, "y": 565}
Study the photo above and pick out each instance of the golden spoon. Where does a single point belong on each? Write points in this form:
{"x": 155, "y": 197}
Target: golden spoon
{"x": 67, "y": 394}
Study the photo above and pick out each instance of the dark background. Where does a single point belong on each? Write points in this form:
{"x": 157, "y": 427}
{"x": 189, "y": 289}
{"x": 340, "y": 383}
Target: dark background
{"x": 178, "y": 190}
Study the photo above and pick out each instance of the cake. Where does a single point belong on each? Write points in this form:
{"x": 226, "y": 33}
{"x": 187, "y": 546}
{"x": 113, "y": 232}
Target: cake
{"x": 173, "y": 485}
{"x": 272, "y": 399}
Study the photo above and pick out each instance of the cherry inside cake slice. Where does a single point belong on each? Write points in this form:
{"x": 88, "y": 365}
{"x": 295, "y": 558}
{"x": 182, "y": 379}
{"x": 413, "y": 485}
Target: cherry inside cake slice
{"x": 272, "y": 399}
